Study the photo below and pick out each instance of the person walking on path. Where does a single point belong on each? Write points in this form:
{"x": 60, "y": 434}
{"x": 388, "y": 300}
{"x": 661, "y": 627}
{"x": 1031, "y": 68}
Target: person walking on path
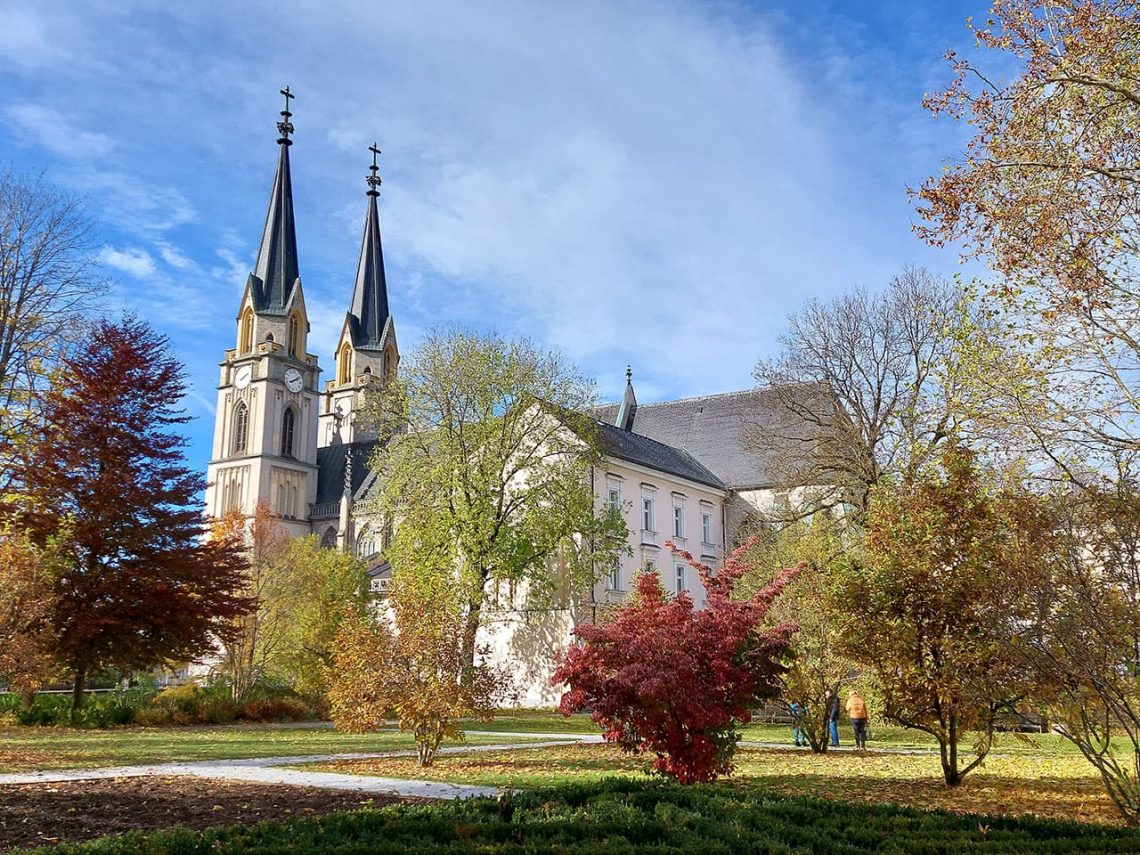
{"x": 833, "y": 717}
{"x": 857, "y": 712}
{"x": 798, "y": 734}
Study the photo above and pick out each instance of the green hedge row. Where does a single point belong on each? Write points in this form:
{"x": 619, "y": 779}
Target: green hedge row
{"x": 145, "y": 706}
{"x": 620, "y": 816}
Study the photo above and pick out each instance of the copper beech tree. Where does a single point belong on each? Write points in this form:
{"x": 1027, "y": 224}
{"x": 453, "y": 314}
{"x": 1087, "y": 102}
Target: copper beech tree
{"x": 138, "y": 584}
{"x": 666, "y": 677}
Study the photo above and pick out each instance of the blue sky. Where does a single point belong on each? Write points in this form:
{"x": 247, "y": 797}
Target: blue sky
{"x": 653, "y": 183}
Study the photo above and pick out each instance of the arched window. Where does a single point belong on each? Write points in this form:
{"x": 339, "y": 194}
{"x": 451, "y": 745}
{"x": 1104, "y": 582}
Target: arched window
{"x": 344, "y": 372}
{"x": 241, "y": 428}
{"x": 366, "y": 543}
{"x": 295, "y": 335}
{"x": 288, "y": 426}
{"x": 328, "y": 539}
{"x": 245, "y": 343}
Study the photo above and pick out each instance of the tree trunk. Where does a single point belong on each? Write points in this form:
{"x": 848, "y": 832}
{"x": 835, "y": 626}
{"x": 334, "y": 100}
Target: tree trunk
{"x": 27, "y": 699}
{"x": 949, "y": 750}
{"x": 470, "y": 631}
{"x": 77, "y": 693}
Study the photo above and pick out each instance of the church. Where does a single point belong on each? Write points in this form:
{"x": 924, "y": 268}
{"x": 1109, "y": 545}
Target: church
{"x": 680, "y": 470}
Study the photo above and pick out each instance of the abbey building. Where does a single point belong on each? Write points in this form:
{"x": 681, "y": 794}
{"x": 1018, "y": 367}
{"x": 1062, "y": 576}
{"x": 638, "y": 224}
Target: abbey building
{"x": 681, "y": 471}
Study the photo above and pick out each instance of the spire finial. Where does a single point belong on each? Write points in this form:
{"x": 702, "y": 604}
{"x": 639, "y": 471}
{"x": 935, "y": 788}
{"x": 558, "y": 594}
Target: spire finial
{"x": 629, "y": 375}
{"x": 285, "y": 127}
{"x": 373, "y": 180}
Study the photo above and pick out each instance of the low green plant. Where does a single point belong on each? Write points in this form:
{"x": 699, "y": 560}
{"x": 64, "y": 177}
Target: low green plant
{"x": 624, "y": 816}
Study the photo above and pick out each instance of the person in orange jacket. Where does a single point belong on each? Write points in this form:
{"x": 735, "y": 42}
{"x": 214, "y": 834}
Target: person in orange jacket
{"x": 857, "y": 712}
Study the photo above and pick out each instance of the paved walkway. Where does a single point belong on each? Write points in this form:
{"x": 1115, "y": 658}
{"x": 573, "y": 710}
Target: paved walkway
{"x": 270, "y": 770}
{"x": 267, "y": 770}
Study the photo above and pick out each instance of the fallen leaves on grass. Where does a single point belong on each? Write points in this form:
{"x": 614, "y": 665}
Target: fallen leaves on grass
{"x": 1046, "y": 786}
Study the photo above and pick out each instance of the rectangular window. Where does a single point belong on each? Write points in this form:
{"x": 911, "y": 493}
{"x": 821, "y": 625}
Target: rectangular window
{"x": 680, "y": 578}
{"x": 615, "y": 497}
{"x": 647, "y": 514}
{"x": 678, "y": 521}
{"x": 706, "y": 527}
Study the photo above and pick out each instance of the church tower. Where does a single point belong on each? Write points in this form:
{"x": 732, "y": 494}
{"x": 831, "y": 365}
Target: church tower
{"x": 366, "y": 352}
{"x": 265, "y": 433}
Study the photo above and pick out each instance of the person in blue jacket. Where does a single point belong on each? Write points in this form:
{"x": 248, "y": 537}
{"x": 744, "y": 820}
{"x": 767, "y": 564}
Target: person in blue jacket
{"x": 798, "y": 734}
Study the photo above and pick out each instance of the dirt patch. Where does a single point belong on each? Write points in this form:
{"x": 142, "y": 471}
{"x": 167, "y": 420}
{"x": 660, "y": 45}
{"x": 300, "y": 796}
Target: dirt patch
{"x": 38, "y": 814}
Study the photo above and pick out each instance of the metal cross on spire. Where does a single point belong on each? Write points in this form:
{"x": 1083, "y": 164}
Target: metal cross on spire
{"x": 285, "y": 127}
{"x": 373, "y": 179}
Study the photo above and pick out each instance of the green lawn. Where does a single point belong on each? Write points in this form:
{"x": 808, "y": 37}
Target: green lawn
{"x": 885, "y": 736}
{"x": 26, "y": 748}
{"x": 620, "y": 816}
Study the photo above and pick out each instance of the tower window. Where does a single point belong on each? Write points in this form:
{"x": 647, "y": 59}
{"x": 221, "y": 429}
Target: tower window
{"x": 344, "y": 369}
{"x": 294, "y": 336}
{"x": 241, "y": 428}
{"x": 288, "y": 426}
{"x": 245, "y": 342}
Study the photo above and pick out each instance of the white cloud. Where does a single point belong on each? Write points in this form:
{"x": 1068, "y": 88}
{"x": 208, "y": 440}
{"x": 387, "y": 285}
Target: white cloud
{"x": 655, "y": 183}
{"x": 58, "y": 133}
{"x": 133, "y": 260}
{"x": 173, "y": 256}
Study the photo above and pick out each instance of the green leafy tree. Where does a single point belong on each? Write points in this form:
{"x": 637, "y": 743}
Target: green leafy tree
{"x": 816, "y": 663}
{"x": 486, "y": 464}
{"x": 945, "y": 587}
{"x": 302, "y": 593}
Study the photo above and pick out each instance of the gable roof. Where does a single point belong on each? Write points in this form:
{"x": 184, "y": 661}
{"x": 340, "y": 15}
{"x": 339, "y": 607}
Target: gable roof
{"x": 643, "y": 451}
{"x": 330, "y": 469}
{"x": 713, "y": 429}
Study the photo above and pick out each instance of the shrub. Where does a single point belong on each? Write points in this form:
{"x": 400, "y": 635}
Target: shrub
{"x": 276, "y": 709}
{"x": 623, "y": 816}
{"x": 664, "y": 677}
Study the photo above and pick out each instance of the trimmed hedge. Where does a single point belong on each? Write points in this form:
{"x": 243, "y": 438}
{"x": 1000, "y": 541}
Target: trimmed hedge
{"x": 620, "y": 816}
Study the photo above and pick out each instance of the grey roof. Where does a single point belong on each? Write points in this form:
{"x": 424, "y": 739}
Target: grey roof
{"x": 369, "y": 309}
{"x": 636, "y": 448}
{"x": 276, "y": 271}
{"x": 712, "y": 429}
{"x": 331, "y": 464}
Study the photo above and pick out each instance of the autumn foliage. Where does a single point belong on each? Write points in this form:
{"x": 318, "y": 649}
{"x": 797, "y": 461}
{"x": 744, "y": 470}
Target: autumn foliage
{"x": 138, "y": 584}
{"x": 410, "y": 663}
{"x": 666, "y": 677}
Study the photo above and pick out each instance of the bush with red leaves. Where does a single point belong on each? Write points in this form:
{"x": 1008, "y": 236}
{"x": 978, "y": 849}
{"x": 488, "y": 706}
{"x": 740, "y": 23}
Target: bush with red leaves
{"x": 664, "y": 677}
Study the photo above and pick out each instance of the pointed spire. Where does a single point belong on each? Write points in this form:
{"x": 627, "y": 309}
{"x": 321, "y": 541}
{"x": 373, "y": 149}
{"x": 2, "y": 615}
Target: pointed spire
{"x": 276, "y": 269}
{"x": 369, "y": 309}
{"x": 628, "y": 408}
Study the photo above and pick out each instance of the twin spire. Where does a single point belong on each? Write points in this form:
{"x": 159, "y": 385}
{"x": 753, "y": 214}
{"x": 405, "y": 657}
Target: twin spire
{"x": 276, "y": 273}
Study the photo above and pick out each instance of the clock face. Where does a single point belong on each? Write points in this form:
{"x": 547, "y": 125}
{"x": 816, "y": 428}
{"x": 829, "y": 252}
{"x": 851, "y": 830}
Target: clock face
{"x": 242, "y": 376}
{"x": 293, "y": 380}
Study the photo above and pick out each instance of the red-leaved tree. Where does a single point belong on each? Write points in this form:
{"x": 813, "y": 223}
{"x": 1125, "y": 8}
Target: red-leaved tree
{"x": 139, "y": 585}
{"x": 665, "y": 677}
